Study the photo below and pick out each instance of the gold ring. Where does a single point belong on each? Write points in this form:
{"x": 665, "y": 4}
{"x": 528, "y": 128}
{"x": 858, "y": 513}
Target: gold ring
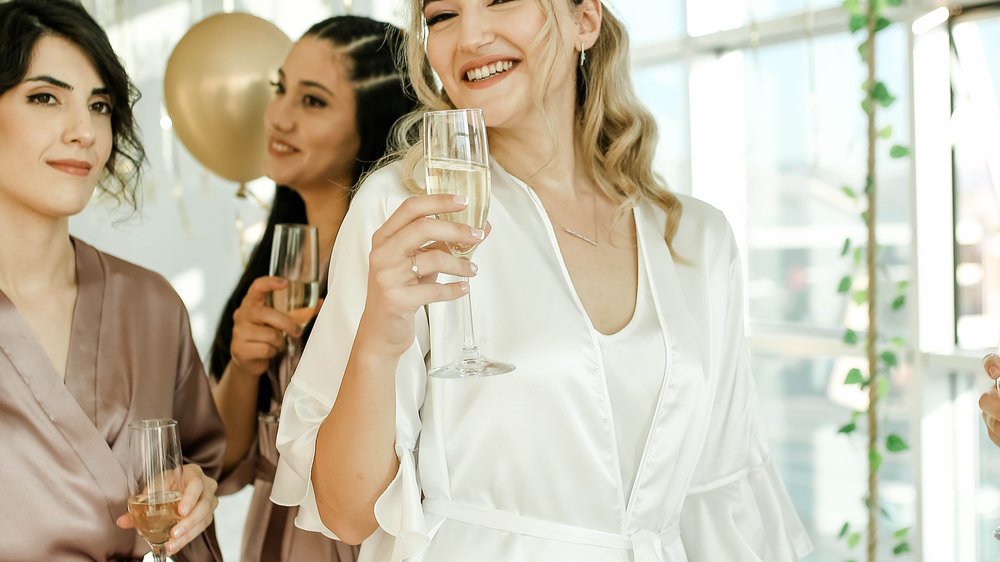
{"x": 415, "y": 269}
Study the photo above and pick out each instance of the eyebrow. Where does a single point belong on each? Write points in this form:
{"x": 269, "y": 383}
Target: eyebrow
{"x": 310, "y": 83}
{"x": 60, "y": 84}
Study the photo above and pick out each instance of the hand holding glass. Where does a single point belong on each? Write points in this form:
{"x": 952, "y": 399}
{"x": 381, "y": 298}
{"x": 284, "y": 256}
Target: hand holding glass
{"x": 155, "y": 483}
{"x": 295, "y": 258}
{"x": 456, "y": 157}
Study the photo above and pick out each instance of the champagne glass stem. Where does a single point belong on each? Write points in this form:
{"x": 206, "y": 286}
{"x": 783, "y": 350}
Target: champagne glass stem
{"x": 159, "y": 552}
{"x": 470, "y": 330}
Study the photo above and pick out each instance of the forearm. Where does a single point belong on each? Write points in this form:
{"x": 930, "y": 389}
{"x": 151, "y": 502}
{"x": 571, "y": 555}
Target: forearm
{"x": 236, "y": 399}
{"x": 355, "y": 457}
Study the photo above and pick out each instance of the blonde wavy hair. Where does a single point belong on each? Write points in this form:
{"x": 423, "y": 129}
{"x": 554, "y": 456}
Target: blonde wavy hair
{"x": 616, "y": 135}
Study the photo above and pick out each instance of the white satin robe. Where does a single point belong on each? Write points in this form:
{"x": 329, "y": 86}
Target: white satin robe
{"x": 524, "y": 466}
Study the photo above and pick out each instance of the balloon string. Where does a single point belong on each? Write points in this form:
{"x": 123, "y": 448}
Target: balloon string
{"x": 241, "y": 193}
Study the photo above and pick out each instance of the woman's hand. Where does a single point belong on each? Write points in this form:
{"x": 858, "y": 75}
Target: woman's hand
{"x": 403, "y": 268}
{"x": 989, "y": 402}
{"x": 259, "y": 330}
{"x": 197, "y": 506}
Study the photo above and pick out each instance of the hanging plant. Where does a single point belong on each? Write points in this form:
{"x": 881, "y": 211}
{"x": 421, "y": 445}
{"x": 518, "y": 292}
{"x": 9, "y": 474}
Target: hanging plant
{"x": 867, "y": 19}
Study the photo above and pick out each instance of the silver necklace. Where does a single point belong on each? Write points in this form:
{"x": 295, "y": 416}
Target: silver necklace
{"x": 575, "y": 233}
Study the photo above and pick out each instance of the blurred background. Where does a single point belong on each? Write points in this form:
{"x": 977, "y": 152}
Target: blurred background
{"x": 757, "y": 103}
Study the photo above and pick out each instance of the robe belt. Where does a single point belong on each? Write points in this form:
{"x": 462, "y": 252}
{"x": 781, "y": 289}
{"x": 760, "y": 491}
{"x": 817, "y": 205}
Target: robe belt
{"x": 646, "y": 546}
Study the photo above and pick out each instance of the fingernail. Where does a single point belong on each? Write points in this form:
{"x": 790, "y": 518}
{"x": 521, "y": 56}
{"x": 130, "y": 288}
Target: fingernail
{"x": 994, "y": 371}
{"x": 177, "y": 531}
{"x": 474, "y": 268}
{"x": 464, "y": 287}
{"x": 478, "y": 233}
{"x": 461, "y": 199}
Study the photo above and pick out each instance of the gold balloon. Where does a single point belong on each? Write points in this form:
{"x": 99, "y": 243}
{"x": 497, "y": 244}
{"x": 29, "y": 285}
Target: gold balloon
{"x": 216, "y": 89}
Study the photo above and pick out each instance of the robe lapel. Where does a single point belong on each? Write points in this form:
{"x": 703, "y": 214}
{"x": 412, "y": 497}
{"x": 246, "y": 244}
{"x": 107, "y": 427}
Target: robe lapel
{"x": 81, "y": 365}
{"x": 57, "y": 401}
{"x": 683, "y": 385}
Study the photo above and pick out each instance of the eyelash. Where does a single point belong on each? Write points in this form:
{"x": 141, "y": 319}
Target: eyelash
{"x": 308, "y": 101}
{"x": 45, "y": 98}
{"x": 438, "y": 18}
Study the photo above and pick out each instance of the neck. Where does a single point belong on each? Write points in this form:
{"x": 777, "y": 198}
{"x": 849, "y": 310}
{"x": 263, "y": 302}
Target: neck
{"x": 36, "y": 255}
{"x": 325, "y": 209}
{"x": 546, "y": 171}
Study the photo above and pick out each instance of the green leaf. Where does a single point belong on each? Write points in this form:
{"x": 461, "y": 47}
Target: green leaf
{"x": 865, "y": 104}
{"x": 850, "y": 337}
{"x": 854, "y": 376}
{"x": 860, "y": 296}
{"x": 883, "y": 388}
{"x": 845, "y": 285}
{"x": 881, "y": 24}
{"x": 858, "y": 22}
{"x": 852, "y": 6}
{"x": 846, "y": 248}
{"x": 901, "y": 533}
{"x": 869, "y": 184}
{"x": 895, "y": 444}
{"x": 849, "y": 191}
{"x": 864, "y": 217}
{"x": 875, "y": 460}
{"x": 847, "y": 429}
{"x": 881, "y": 94}
{"x": 844, "y": 529}
{"x": 901, "y": 548}
{"x": 902, "y": 286}
{"x": 885, "y": 132}
{"x": 898, "y": 302}
{"x": 859, "y": 254}
{"x": 889, "y": 358}
{"x": 863, "y": 50}
{"x": 899, "y": 151}
{"x": 898, "y": 341}
{"x": 853, "y": 539}
{"x": 894, "y": 2}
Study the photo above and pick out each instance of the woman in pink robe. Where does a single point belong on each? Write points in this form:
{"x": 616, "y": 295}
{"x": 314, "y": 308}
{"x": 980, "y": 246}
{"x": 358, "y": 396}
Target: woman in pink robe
{"x": 88, "y": 343}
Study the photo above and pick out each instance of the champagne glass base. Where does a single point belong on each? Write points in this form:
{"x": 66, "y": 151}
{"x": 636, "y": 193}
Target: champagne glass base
{"x": 471, "y": 366}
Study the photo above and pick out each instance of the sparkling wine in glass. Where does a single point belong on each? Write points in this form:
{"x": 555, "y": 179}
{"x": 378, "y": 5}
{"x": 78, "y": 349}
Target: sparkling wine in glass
{"x": 155, "y": 484}
{"x": 456, "y": 158}
{"x": 295, "y": 258}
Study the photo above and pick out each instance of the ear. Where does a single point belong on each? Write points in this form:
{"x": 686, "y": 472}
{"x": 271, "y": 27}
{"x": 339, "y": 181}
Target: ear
{"x": 588, "y": 22}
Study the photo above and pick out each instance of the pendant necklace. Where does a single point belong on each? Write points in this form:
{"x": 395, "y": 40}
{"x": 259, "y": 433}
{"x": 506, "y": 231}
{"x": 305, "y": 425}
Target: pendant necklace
{"x": 576, "y": 234}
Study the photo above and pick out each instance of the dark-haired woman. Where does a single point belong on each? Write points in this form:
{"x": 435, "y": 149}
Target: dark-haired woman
{"x": 337, "y": 95}
{"x": 88, "y": 342}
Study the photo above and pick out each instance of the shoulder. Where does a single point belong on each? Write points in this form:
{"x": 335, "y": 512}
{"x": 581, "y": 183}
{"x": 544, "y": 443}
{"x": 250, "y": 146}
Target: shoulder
{"x": 128, "y": 279}
{"x": 703, "y": 231}
{"x": 382, "y": 188}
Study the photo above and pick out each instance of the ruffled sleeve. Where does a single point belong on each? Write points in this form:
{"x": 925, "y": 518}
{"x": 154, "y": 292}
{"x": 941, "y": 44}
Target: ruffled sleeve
{"x": 313, "y": 389}
{"x": 737, "y": 508}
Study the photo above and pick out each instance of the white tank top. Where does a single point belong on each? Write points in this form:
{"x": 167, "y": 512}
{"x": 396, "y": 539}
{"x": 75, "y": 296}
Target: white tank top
{"x": 634, "y": 363}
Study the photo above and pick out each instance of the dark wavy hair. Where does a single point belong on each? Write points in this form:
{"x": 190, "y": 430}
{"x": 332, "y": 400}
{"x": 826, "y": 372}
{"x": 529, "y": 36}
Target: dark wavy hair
{"x": 383, "y": 94}
{"x": 23, "y": 23}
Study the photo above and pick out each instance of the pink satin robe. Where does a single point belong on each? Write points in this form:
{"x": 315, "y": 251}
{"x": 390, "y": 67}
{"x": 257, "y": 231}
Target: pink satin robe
{"x": 64, "y": 445}
{"x": 270, "y": 534}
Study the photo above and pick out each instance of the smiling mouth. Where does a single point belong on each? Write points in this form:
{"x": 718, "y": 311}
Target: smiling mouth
{"x": 281, "y": 148}
{"x": 488, "y": 71}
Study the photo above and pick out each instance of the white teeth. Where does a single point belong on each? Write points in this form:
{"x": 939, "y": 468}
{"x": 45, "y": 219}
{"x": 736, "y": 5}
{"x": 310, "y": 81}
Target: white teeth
{"x": 489, "y": 70}
{"x": 281, "y": 147}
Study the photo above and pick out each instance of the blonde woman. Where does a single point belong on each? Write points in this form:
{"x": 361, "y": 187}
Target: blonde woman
{"x": 628, "y": 430}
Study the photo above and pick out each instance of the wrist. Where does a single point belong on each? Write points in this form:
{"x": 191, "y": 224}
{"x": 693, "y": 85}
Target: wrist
{"x": 242, "y": 372}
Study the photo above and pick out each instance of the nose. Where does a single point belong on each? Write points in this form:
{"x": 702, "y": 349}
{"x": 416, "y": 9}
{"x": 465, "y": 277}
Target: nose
{"x": 476, "y": 31}
{"x": 81, "y": 129}
{"x": 278, "y": 116}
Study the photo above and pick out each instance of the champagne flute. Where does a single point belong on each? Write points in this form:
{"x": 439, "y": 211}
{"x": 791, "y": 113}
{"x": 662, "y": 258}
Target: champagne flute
{"x": 456, "y": 158}
{"x": 155, "y": 483}
{"x": 295, "y": 258}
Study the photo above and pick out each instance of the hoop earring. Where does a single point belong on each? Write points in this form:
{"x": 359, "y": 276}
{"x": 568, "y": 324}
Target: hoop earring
{"x": 583, "y": 54}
